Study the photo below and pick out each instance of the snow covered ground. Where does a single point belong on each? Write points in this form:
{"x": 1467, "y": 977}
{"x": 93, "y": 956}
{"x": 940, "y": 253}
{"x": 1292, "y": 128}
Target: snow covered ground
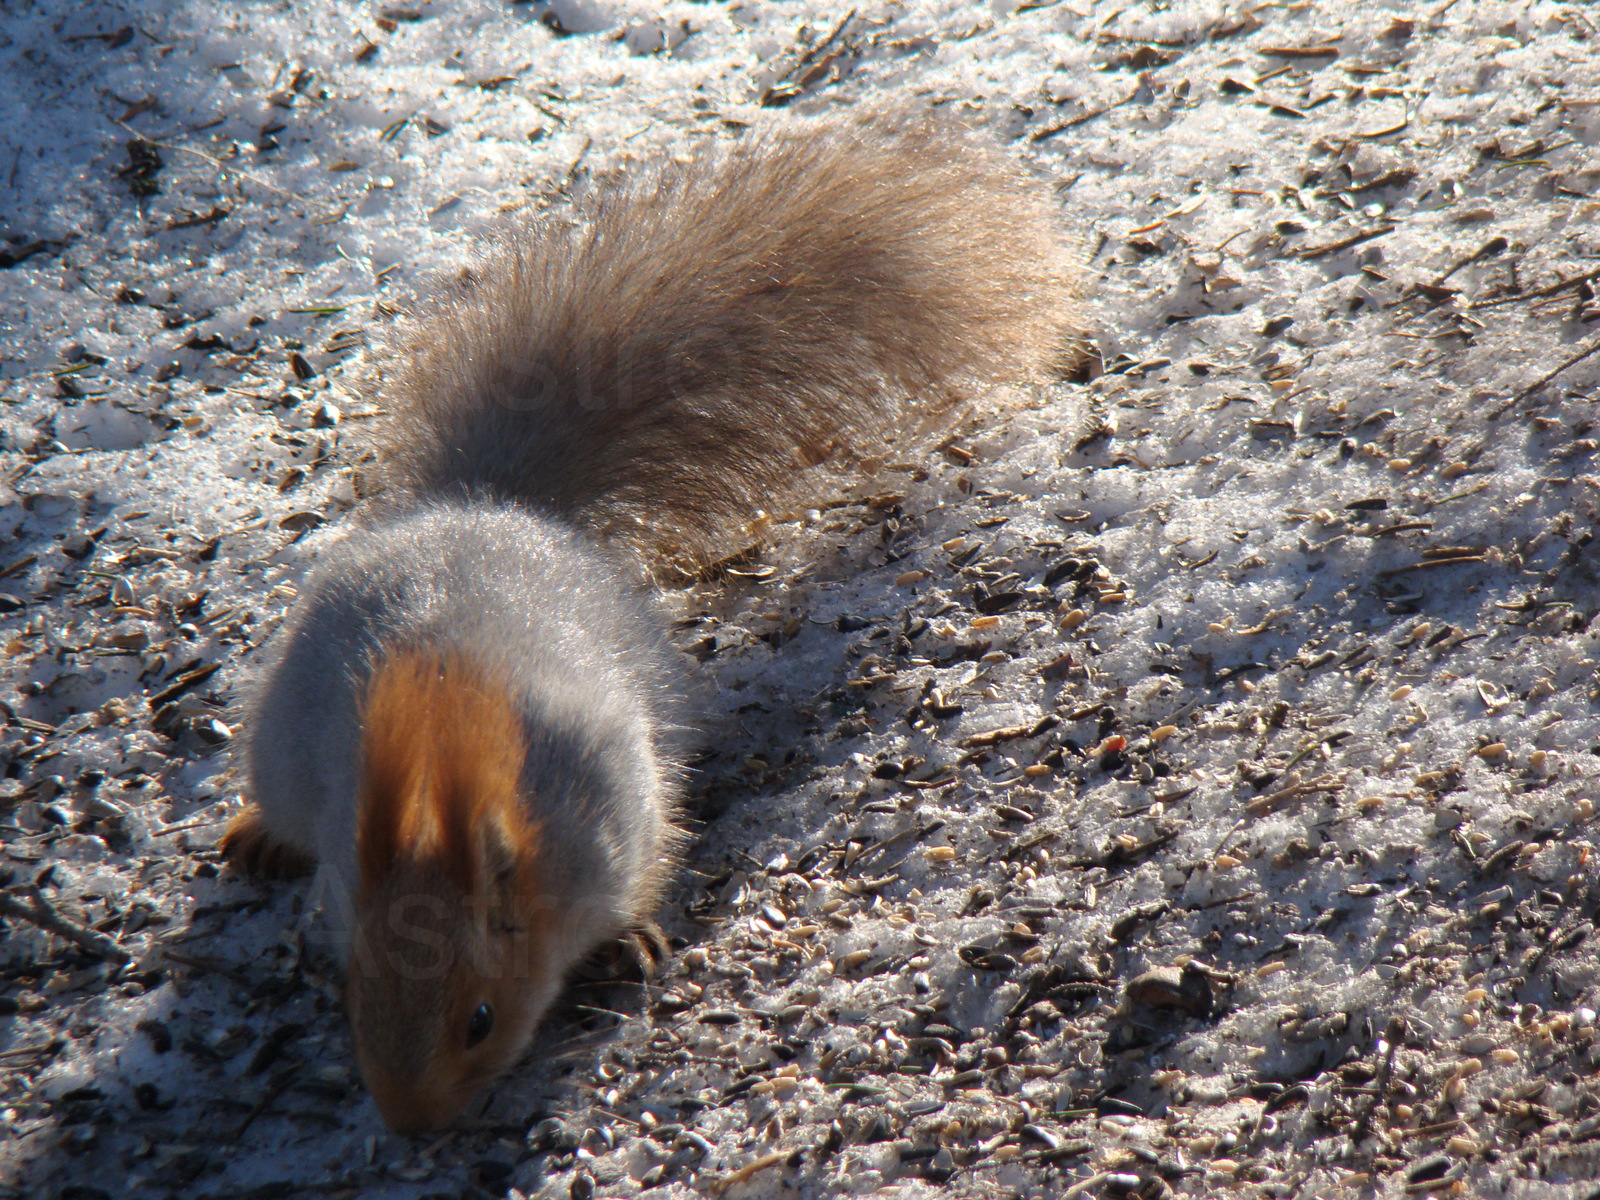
{"x": 1185, "y": 782}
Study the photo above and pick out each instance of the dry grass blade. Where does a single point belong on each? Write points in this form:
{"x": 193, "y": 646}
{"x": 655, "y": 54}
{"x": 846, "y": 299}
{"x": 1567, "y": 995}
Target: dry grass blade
{"x": 36, "y": 911}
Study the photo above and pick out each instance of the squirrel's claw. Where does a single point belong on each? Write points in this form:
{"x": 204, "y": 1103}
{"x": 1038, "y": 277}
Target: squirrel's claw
{"x": 648, "y": 947}
{"x": 256, "y": 853}
{"x": 636, "y": 953}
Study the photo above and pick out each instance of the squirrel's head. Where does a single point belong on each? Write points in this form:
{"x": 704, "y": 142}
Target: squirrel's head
{"x": 450, "y": 963}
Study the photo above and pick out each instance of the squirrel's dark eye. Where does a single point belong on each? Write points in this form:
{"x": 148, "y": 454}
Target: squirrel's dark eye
{"x": 478, "y": 1026}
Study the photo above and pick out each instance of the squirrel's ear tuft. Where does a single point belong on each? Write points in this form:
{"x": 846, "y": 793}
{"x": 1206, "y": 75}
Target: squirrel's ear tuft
{"x": 397, "y": 774}
{"x": 442, "y": 753}
{"x": 506, "y": 855}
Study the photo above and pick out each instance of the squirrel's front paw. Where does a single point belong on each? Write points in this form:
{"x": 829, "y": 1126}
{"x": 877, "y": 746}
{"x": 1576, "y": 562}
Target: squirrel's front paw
{"x": 251, "y": 849}
{"x": 647, "y": 947}
{"x": 635, "y": 954}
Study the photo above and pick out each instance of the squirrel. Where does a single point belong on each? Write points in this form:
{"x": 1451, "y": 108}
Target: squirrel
{"x": 471, "y": 721}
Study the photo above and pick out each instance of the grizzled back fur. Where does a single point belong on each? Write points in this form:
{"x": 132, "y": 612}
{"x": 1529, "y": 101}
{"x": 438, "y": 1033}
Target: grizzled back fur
{"x": 660, "y": 369}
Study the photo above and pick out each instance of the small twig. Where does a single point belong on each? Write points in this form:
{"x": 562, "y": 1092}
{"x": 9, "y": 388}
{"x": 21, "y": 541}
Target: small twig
{"x": 1050, "y": 131}
{"x": 22, "y": 564}
{"x": 1393, "y": 1032}
{"x": 1276, "y": 800}
{"x": 1227, "y": 837}
{"x": 572, "y": 170}
{"x": 1453, "y": 560}
{"x": 39, "y": 1050}
{"x": 1544, "y": 379}
{"x": 186, "y": 826}
{"x": 1436, "y": 1130}
{"x": 810, "y": 55}
{"x": 1489, "y": 249}
{"x": 218, "y": 163}
{"x": 1323, "y": 50}
{"x": 1262, "y": 625}
{"x": 36, "y": 911}
{"x": 198, "y": 963}
{"x": 788, "y": 85}
{"x": 748, "y": 1171}
{"x": 1354, "y": 239}
{"x": 1550, "y": 289}
{"x": 274, "y": 1090}
{"x": 1084, "y": 1186}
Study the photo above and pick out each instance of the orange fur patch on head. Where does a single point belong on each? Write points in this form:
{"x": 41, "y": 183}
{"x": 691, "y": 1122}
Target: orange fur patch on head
{"x": 442, "y": 754}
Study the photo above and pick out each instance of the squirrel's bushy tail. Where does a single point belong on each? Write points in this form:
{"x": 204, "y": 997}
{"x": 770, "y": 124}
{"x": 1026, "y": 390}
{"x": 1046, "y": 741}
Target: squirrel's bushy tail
{"x": 662, "y": 364}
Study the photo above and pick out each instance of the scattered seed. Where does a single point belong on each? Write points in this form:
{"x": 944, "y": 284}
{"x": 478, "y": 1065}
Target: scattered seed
{"x": 1058, "y": 668}
{"x": 1187, "y": 989}
{"x": 1043, "y": 1136}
